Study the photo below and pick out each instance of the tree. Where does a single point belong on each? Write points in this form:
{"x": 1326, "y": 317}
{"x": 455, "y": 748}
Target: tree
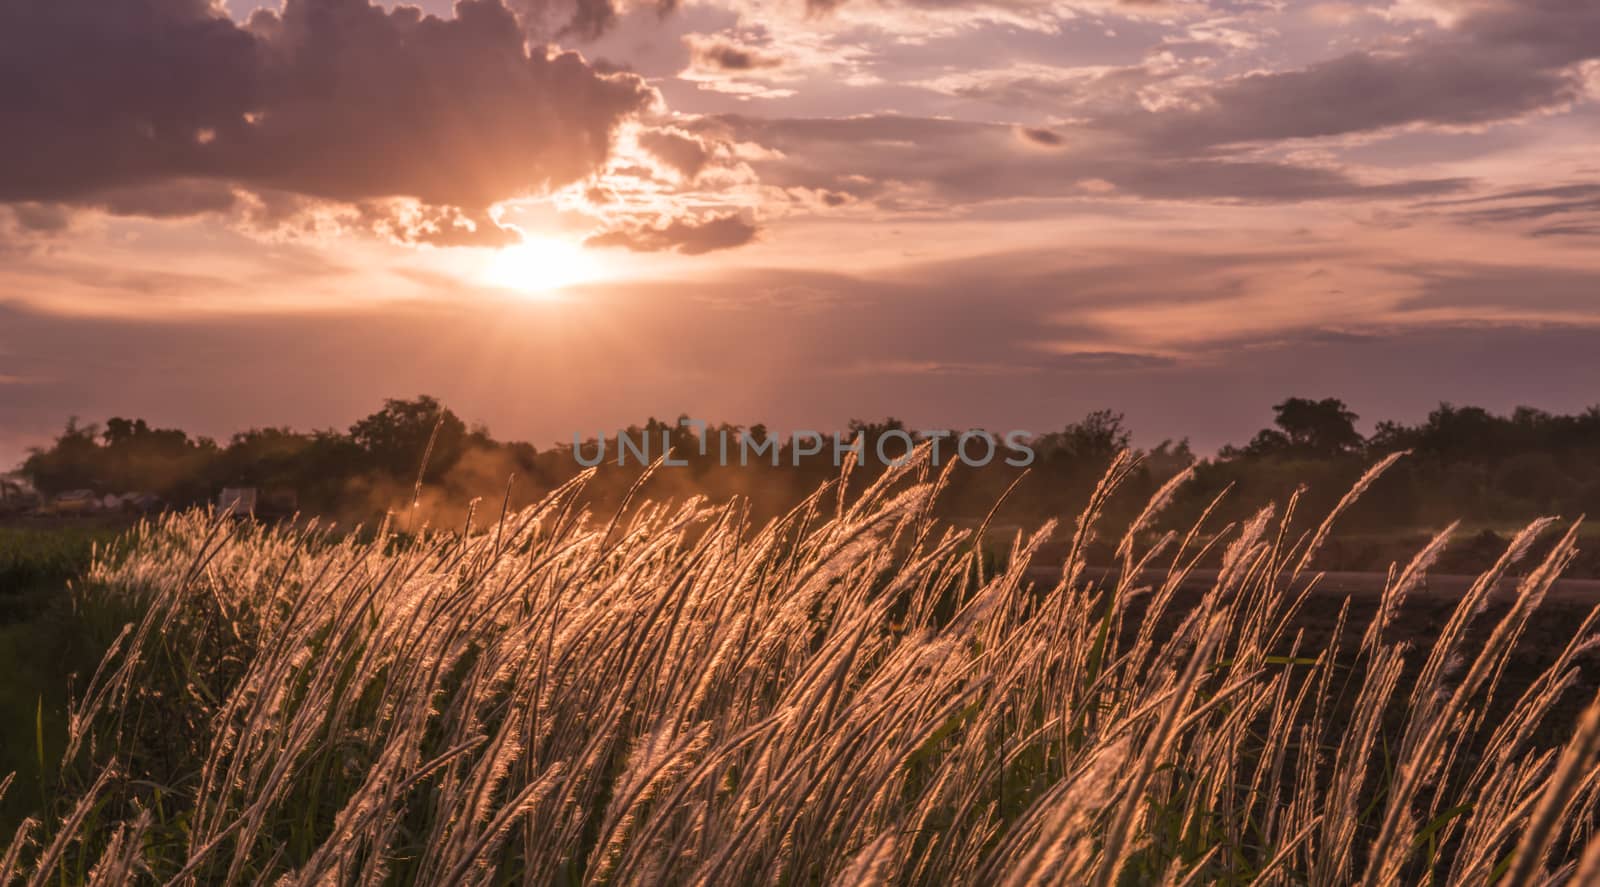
{"x": 1325, "y": 427}
{"x": 397, "y": 437}
{"x": 1100, "y": 436}
{"x": 71, "y": 463}
{"x": 1169, "y": 458}
{"x": 1389, "y": 436}
{"x": 137, "y": 457}
{"x": 124, "y": 431}
{"x": 871, "y": 433}
{"x": 263, "y": 456}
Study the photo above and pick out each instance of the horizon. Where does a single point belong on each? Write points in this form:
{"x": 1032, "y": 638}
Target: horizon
{"x": 1139, "y": 440}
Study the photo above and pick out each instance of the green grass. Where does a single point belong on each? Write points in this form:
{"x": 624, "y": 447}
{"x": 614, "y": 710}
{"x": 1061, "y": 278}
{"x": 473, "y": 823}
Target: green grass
{"x": 35, "y": 563}
{"x": 49, "y": 643}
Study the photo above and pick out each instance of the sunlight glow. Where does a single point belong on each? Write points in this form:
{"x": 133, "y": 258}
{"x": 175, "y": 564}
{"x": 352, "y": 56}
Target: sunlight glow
{"x": 541, "y": 266}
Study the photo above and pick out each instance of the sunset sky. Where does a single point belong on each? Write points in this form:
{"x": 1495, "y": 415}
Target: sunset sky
{"x": 565, "y": 217}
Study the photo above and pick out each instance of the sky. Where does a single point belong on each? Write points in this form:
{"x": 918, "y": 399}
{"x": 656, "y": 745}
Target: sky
{"x": 564, "y": 217}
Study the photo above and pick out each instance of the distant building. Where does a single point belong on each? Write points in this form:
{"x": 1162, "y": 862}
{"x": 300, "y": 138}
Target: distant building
{"x": 237, "y": 501}
{"x": 76, "y": 502}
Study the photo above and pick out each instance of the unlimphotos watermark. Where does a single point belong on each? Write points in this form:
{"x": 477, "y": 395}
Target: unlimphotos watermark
{"x": 727, "y": 447}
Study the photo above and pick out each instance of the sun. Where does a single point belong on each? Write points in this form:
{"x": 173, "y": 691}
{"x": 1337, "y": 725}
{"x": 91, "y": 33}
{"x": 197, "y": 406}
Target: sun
{"x": 542, "y": 266}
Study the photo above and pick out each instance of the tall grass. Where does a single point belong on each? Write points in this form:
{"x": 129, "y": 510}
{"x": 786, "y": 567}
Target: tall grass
{"x": 845, "y": 695}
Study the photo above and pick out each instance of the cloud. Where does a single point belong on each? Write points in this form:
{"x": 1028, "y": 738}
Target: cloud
{"x": 175, "y": 199}
{"x": 691, "y": 237}
{"x": 1486, "y": 61}
{"x": 1531, "y": 204}
{"x": 810, "y": 354}
{"x": 1079, "y": 361}
{"x": 551, "y": 20}
{"x": 1580, "y": 230}
{"x": 1040, "y": 136}
{"x": 1359, "y": 93}
{"x": 1081, "y": 92}
{"x": 408, "y": 222}
{"x": 1547, "y": 293}
{"x": 162, "y": 107}
{"x": 683, "y": 152}
{"x": 1564, "y": 210}
{"x": 41, "y": 218}
{"x": 1023, "y": 365}
{"x": 722, "y": 54}
{"x": 902, "y": 162}
{"x": 1499, "y": 61}
{"x": 28, "y": 229}
{"x": 584, "y": 19}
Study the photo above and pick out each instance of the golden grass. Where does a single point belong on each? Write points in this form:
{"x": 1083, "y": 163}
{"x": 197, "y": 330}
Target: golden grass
{"x": 842, "y": 696}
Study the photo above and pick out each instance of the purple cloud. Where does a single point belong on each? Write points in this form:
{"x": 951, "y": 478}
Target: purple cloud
{"x": 335, "y": 99}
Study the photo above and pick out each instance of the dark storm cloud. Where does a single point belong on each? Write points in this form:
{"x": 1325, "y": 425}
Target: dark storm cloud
{"x": 691, "y": 237}
{"x": 111, "y": 104}
{"x": 877, "y": 157}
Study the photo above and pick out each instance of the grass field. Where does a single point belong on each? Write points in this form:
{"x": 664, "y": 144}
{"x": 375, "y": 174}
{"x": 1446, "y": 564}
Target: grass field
{"x": 852, "y": 694}
{"x": 43, "y": 642}
{"x": 38, "y": 561}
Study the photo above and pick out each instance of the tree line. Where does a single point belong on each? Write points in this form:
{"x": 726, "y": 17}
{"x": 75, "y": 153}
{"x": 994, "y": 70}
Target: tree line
{"x": 1463, "y": 463}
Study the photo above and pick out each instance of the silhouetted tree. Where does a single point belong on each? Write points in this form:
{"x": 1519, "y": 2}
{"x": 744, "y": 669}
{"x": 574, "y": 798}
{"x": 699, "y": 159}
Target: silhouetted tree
{"x": 1465, "y": 462}
{"x": 1325, "y": 427}
{"x": 1101, "y": 435}
{"x": 397, "y": 436}
{"x": 71, "y": 463}
{"x": 872, "y": 433}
